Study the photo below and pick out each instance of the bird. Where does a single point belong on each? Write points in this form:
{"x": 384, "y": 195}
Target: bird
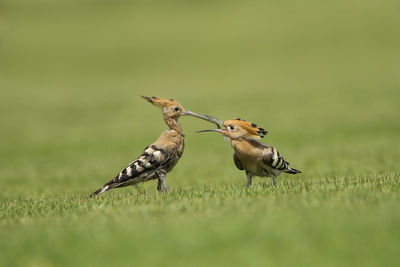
{"x": 160, "y": 157}
{"x": 251, "y": 156}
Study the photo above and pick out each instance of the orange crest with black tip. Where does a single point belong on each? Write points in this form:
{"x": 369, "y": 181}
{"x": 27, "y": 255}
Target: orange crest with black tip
{"x": 163, "y": 102}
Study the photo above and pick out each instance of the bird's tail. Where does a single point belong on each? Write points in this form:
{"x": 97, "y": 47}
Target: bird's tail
{"x": 292, "y": 171}
{"x": 100, "y": 190}
{"x": 110, "y": 185}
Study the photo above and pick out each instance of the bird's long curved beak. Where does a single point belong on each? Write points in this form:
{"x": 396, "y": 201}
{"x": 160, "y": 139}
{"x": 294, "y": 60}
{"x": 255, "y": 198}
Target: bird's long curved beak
{"x": 213, "y": 130}
{"x": 209, "y": 118}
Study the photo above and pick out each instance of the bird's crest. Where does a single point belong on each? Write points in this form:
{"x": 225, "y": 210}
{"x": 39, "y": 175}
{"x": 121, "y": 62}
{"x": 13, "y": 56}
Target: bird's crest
{"x": 252, "y": 130}
{"x": 162, "y": 102}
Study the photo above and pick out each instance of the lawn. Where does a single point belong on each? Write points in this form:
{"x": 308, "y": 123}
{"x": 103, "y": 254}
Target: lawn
{"x": 321, "y": 77}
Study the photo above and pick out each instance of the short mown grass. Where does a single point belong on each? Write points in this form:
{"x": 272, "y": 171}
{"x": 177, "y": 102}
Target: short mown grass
{"x": 321, "y": 77}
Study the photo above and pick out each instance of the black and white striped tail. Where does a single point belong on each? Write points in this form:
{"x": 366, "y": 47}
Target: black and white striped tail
{"x": 110, "y": 185}
{"x": 292, "y": 171}
{"x": 100, "y": 191}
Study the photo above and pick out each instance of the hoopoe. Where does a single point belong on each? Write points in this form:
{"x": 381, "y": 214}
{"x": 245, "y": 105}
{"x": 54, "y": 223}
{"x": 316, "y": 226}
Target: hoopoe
{"x": 160, "y": 157}
{"x": 255, "y": 158}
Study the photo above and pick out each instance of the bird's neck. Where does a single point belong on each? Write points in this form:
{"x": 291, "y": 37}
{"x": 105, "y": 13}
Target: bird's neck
{"x": 242, "y": 145}
{"x": 173, "y": 125}
{"x": 236, "y": 142}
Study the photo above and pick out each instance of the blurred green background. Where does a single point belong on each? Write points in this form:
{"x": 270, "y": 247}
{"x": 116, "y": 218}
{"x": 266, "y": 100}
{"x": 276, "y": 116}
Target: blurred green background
{"x": 321, "y": 76}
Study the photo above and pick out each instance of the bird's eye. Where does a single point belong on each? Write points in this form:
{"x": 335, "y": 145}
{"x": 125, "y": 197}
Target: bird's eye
{"x": 176, "y": 108}
{"x": 231, "y": 127}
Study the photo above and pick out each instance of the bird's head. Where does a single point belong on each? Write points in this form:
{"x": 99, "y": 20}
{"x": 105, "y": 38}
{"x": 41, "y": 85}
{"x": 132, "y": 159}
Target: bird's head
{"x": 239, "y": 129}
{"x": 173, "y": 110}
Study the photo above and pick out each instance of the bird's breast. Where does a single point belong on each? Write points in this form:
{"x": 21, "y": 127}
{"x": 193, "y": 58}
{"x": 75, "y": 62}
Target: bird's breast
{"x": 250, "y": 161}
{"x": 250, "y": 155}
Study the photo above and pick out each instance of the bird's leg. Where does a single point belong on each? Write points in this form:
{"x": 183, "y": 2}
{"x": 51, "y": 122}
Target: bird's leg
{"x": 249, "y": 178}
{"x": 161, "y": 181}
{"x": 159, "y": 185}
{"x": 273, "y": 180}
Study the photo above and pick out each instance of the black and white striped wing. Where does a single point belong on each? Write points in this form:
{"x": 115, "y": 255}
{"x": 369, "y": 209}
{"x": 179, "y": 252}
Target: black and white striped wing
{"x": 151, "y": 160}
{"x": 149, "y": 165}
{"x": 276, "y": 161}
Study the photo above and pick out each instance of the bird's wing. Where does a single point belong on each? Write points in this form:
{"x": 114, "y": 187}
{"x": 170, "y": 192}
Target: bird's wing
{"x": 237, "y": 162}
{"x": 151, "y": 159}
{"x": 273, "y": 159}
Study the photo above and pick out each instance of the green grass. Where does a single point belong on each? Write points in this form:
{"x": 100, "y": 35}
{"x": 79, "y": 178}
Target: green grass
{"x": 322, "y": 77}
